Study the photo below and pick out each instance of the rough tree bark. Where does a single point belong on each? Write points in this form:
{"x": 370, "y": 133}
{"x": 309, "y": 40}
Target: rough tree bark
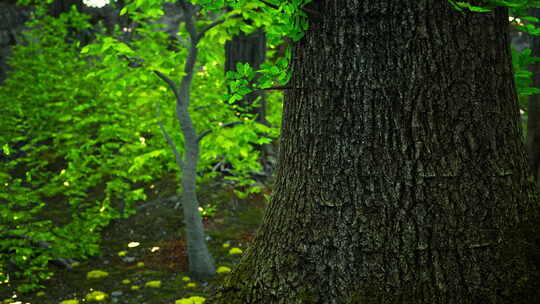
{"x": 12, "y": 22}
{"x": 401, "y": 171}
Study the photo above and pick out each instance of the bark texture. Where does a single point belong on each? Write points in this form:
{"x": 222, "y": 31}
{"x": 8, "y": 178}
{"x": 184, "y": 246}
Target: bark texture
{"x": 401, "y": 171}
{"x": 12, "y": 19}
{"x": 201, "y": 263}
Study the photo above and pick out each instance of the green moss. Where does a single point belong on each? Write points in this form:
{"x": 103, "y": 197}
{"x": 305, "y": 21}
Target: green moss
{"x": 190, "y": 300}
{"x": 96, "y": 274}
{"x": 96, "y": 296}
{"x": 223, "y": 269}
{"x": 235, "y": 250}
{"x": 153, "y": 284}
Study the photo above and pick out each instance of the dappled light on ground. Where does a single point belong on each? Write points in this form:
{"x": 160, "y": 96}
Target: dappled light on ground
{"x": 144, "y": 258}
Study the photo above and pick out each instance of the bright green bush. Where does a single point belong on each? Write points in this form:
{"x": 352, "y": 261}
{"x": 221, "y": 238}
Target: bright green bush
{"x": 77, "y": 144}
{"x": 80, "y": 132}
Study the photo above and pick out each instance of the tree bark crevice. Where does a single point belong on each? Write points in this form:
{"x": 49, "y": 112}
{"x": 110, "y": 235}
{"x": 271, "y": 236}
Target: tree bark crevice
{"x": 401, "y": 181}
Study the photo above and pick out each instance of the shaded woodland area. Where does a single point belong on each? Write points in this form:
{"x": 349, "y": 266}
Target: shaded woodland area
{"x": 269, "y": 152}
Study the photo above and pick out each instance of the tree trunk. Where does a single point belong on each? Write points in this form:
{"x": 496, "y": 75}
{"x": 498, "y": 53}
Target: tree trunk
{"x": 401, "y": 172}
{"x": 12, "y": 23}
{"x": 201, "y": 264}
{"x": 251, "y": 48}
{"x": 248, "y": 48}
{"x": 533, "y": 111}
{"x": 58, "y": 7}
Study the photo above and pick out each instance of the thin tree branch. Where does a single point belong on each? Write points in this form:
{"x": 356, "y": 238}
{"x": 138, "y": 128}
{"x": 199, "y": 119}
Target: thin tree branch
{"x": 315, "y": 13}
{"x": 270, "y": 4}
{"x": 208, "y": 27}
{"x": 190, "y": 60}
{"x": 305, "y": 9}
{"x": 227, "y": 125}
{"x": 190, "y": 25}
{"x": 274, "y": 88}
{"x": 213, "y": 24}
{"x": 283, "y": 88}
{"x": 171, "y": 84}
{"x": 170, "y": 141}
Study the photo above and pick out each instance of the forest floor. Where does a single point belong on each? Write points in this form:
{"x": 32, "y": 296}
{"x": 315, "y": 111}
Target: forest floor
{"x": 150, "y": 246}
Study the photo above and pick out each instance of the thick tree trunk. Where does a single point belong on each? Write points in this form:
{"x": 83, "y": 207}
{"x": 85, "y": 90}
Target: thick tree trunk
{"x": 401, "y": 171}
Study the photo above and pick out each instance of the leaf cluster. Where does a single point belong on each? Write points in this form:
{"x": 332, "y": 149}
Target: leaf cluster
{"x": 66, "y": 144}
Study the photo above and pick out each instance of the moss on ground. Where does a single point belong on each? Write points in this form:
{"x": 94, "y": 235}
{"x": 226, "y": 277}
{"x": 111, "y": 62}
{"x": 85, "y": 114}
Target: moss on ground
{"x": 161, "y": 250}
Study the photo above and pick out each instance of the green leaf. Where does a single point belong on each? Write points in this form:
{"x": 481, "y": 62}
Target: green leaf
{"x": 244, "y": 152}
{"x": 529, "y": 19}
{"x": 65, "y": 118}
{"x": 5, "y": 149}
{"x": 123, "y": 48}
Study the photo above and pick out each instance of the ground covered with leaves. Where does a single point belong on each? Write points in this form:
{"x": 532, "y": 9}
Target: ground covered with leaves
{"x": 143, "y": 258}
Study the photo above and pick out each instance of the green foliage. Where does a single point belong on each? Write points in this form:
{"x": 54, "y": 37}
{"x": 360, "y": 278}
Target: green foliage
{"x": 150, "y": 48}
{"x": 520, "y": 61}
{"x": 208, "y": 210}
{"x": 282, "y": 18}
{"x": 78, "y": 140}
{"x": 523, "y": 80}
{"x": 518, "y": 8}
{"x": 489, "y": 5}
{"x": 89, "y": 131}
